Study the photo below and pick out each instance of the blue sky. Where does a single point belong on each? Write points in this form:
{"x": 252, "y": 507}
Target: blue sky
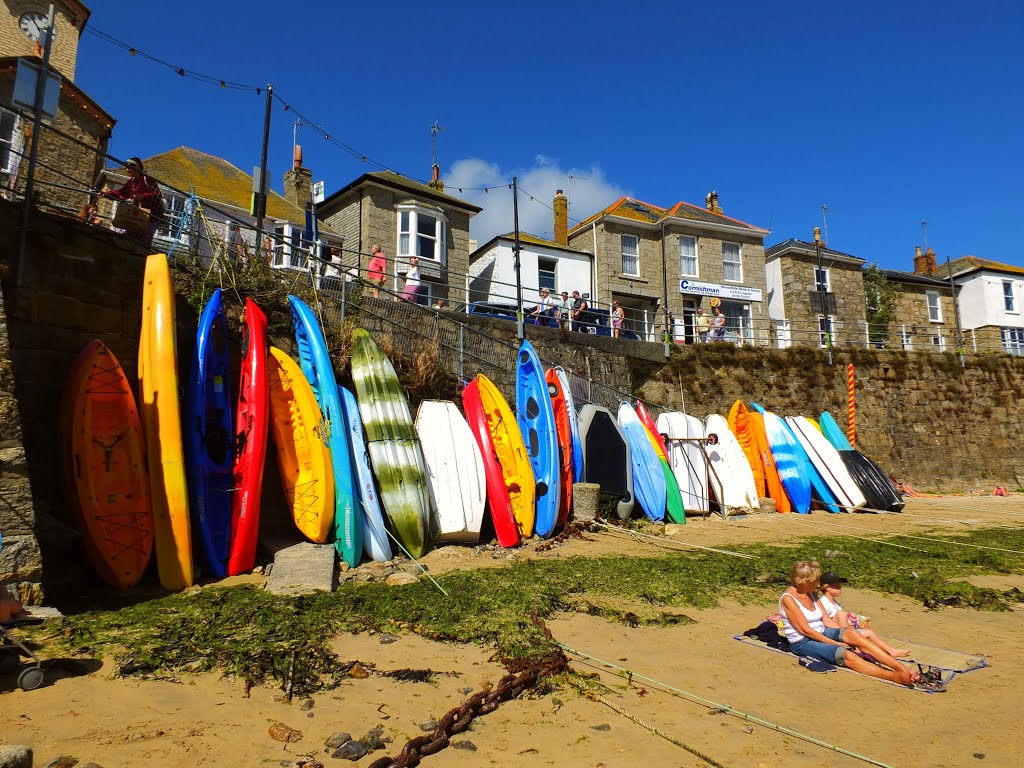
{"x": 888, "y": 113}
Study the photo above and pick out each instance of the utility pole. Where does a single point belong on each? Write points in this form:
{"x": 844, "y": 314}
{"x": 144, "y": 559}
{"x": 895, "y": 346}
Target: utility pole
{"x": 261, "y": 203}
{"x": 520, "y": 332}
{"x": 819, "y": 279}
{"x": 37, "y": 119}
{"x": 664, "y": 280}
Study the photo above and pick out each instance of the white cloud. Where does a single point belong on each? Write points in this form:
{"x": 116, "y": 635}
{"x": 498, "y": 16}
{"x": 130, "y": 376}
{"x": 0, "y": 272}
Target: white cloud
{"x": 588, "y": 191}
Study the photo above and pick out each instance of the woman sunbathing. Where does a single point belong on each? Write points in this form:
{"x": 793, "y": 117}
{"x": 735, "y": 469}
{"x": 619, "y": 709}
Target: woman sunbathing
{"x": 804, "y": 628}
{"x": 831, "y": 586}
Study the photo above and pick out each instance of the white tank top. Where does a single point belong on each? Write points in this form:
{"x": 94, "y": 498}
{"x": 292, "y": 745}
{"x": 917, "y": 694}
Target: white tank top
{"x": 812, "y": 617}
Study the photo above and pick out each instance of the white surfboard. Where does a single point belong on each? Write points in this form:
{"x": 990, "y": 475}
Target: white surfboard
{"x": 455, "y": 471}
{"x": 828, "y": 462}
{"x": 730, "y": 476}
{"x": 686, "y": 457}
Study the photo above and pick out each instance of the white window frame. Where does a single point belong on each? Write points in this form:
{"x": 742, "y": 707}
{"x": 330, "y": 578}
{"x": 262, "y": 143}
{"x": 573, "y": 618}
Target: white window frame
{"x": 934, "y": 310}
{"x": 635, "y": 256}
{"x": 174, "y": 209}
{"x": 826, "y": 330}
{"x": 7, "y": 139}
{"x": 1013, "y": 341}
{"x": 939, "y": 342}
{"x": 553, "y": 272}
{"x": 684, "y": 259}
{"x": 737, "y": 265}
{"x": 1009, "y": 300}
{"x": 819, "y": 274}
{"x": 412, "y": 213}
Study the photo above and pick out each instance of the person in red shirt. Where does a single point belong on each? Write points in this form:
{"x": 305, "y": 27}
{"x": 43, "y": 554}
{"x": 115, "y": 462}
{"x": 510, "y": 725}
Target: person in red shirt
{"x": 142, "y": 191}
{"x": 377, "y": 271}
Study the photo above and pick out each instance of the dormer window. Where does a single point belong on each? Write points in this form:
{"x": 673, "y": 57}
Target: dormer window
{"x": 422, "y": 232}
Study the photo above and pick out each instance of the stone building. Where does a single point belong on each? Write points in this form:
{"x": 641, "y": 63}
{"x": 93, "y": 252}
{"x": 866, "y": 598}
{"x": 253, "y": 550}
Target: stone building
{"x": 406, "y": 218}
{"x": 66, "y": 167}
{"x": 812, "y": 299}
{"x": 990, "y": 296}
{"x": 707, "y": 255}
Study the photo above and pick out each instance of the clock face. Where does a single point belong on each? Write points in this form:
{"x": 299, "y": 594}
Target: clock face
{"x": 33, "y": 25}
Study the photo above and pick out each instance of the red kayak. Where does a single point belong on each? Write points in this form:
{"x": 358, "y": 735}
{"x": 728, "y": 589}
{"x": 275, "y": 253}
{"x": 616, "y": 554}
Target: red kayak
{"x": 252, "y": 420}
{"x": 558, "y": 405}
{"x": 498, "y": 501}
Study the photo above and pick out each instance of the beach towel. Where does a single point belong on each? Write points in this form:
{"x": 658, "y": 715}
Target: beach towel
{"x": 935, "y": 676}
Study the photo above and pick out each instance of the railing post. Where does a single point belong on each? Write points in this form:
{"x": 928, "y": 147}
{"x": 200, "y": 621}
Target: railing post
{"x": 462, "y": 352}
{"x": 344, "y": 294}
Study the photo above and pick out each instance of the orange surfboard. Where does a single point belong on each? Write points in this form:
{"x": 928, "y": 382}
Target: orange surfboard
{"x": 773, "y": 484}
{"x": 559, "y": 407}
{"x": 105, "y": 467}
{"x": 739, "y": 423}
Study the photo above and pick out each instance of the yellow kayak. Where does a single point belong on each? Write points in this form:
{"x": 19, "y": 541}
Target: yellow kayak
{"x": 161, "y": 422}
{"x": 512, "y": 456}
{"x": 302, "y": 455}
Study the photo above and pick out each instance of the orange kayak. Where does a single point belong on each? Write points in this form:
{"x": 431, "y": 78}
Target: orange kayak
{"x": 739, "y": 423}
{"x": 772, "y": 481}
{"x": 558, "y": 405}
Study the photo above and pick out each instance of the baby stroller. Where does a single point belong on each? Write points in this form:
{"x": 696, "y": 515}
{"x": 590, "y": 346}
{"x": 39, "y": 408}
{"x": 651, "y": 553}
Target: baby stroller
{"x": 12, "y": 650}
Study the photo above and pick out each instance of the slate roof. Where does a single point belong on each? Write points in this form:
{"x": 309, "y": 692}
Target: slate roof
{"x": 803, "y": 245}
{"x": 629, "y": 208}
{"x": 967, "y": 264}
{"x": 918, "y": 278}
{"x": 216, "y": 180}
{"x": 528, "y": 239}
{"x": 401, "y": 183}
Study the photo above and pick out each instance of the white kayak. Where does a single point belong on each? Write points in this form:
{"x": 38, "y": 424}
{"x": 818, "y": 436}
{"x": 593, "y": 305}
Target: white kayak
{"x": 730, "y": 476}
{"x": 686, "y": 457}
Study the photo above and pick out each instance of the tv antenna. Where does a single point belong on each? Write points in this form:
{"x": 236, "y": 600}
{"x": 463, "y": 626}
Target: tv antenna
{"x": 924, "y": 233}
{"x": 825, "y": 210}
{"x": 568, "y": 188}
{"x": 435, "y": 129}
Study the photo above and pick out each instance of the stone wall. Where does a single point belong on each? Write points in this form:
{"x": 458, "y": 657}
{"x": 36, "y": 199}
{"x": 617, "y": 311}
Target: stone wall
{"x": 64, "y": 49}
{"x": 846, "y": 283}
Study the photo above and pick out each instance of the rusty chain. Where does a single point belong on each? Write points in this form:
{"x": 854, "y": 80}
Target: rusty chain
{"x": 458, "y": 719}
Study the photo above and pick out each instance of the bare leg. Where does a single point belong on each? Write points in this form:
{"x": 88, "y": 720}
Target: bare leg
{"x": 903, "y": 675}
{"x": 871, "y": 635}
{"x": 857, "y": 664}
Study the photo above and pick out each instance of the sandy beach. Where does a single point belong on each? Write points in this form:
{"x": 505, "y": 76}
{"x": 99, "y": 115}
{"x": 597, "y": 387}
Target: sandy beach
{"x": 206, "y": 720}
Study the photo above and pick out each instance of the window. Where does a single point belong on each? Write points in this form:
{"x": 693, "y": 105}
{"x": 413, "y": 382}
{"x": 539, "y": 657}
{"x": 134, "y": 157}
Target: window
{"x": 422, "y": 233}
{"x": 1008, "y": 302}
{"x": 546, "y": 275}
{"x": 8, "y": 154}
{"x": 824, "y": 331}
{"x": 738, "y": 328}
{"x": 732, "y": 262}
{"x": 630, "y": 255}
{"x": 934, "y": 310}
{"x": 688, "y": 256}
{"x": 939, "y": 342}
{"x": 821, "y": 281}
{"x": 1013, "y": 341}
{"x": 174, "y": 211}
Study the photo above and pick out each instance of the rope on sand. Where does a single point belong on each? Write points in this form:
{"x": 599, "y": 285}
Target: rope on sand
{"x": 665, "y": 542}
{"x": 657, "y": 731}
{"x": 852, "y": 535}
{"x": 920, "y": 538}
{"x": 418, "y": 563}
{"x": 725, "y": 709}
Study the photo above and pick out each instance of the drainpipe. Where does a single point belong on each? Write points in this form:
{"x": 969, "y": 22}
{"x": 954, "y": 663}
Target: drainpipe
{"x": 664, "y": 280}
{"x": 593, "y": 265}
{"x": 956, "y": 314}
{"x": 824, "y": 295}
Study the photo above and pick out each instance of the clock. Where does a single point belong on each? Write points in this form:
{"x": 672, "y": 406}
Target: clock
{"x": 32, "y": 25}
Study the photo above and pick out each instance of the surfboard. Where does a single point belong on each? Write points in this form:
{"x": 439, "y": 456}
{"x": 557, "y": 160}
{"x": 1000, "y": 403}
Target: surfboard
{"x": 510, "y": 449}
{"x": 574, "y": 426}
{"x": 729, "y": 475}
{"x": 564, "y": 433}
{"x": 773, "y": 484}
{"x": 739, "y": 424}
{"x": 160, "y": 414}
{"x": 790, "y": 461}
{"x": 820, "y": 491}
{"x": 375, "y": 534}
{"x": 829, "y": 464}
{"x": 607, "y": 459}
{"x": 648, "y": 477}
{"x": 674, "y": 511}
{"x": 209, "y": 439}
{"x": 395, "y": 450}
{"x": 537, "y": 424}
{"x": 105, "y": 467}
{"x": 498, "y": 501}
{"x": 303, "y": 461}
{"x": 455, "y": 471}
{"x": 686, "y": 457}
{"x": 315, "y": 361}
{"x": 830, "y": 428}
{"x": 252, "y": 421}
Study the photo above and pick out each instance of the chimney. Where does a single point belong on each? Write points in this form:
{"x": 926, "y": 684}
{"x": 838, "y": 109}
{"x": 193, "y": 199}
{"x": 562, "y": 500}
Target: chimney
{"x": 711, "y": 202}
{"x": 817, "y": 236}
{"x": 924, "y": 263}
{"x": 929, "y": 255}
{"x": 561, "y": 208}
{"x": 435, "y": 179}
{"x": 298, "y": 187}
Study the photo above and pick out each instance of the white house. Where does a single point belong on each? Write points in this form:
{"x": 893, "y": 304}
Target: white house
{"x": 990, "y": 298}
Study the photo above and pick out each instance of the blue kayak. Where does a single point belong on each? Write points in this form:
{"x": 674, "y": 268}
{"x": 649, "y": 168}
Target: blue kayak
{"x": 830, "y": 429}
{"x": 315, "y": 361}
{"x": 536, "y": 419}
{"x": 648, "y": 474}
{"x": 209, "y": 457}
{"x": 574, "y": 427}
{"x": 791, "y": 462}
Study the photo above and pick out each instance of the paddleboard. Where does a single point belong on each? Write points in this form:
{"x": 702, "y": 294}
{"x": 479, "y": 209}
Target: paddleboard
{"x": 829, "y": 464}
{"x": 773, "y": 484}
{"x": 607, "y": 459}
{"x": 395, "y": 450}
{"x": 574, "y": 426}
{"x": 730, "y": 476}
{"x": 375, "y": 534}
{"x": 498, "y": 501}
{"x": 830, "y": 428}
{"x": 105, "y": 467}
{"x": 537, "y": 424}
{"x": 790, "y": 461}
{"x": 686, "y": 457}
{"x": 455, "y": 471}
{"x": 303, "y": 460}
{"x": 564, "y": 433}
{"x": 160, "y": 414}
{"x": 674, "y": 511}
{"x": 648, "y": 477}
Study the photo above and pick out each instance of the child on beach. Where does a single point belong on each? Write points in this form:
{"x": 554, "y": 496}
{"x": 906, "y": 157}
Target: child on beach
{"x": 831, "y": 585}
